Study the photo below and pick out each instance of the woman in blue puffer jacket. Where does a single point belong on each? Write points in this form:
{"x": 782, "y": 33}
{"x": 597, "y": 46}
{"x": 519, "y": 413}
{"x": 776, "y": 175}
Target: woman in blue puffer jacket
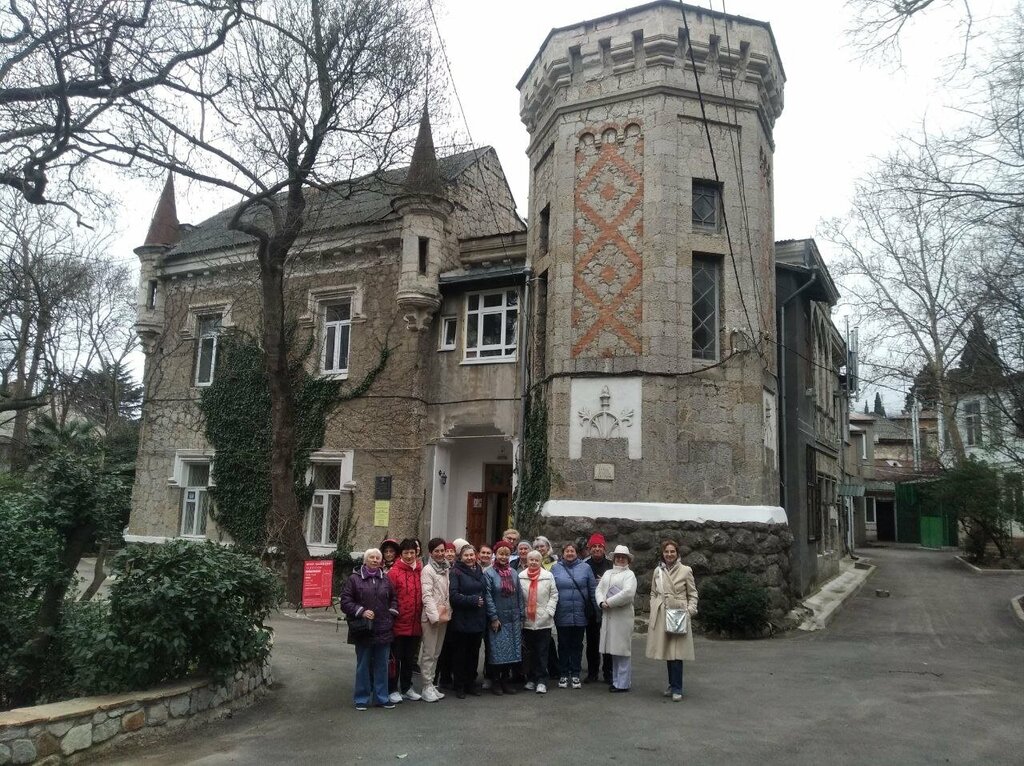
{"x": 575, "y": 582}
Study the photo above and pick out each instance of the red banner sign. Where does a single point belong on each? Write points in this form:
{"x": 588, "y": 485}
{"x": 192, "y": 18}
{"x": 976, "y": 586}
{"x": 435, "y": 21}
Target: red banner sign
{"x": 317, "y": 581}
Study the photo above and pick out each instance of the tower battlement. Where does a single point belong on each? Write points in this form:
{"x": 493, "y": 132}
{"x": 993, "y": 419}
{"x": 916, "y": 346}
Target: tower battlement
{"x": 647, "y": 48}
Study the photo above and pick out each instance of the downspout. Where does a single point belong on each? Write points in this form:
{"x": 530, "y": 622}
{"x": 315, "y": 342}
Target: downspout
{"x": 781, "y": 363}
{"x": 524, "y": 371}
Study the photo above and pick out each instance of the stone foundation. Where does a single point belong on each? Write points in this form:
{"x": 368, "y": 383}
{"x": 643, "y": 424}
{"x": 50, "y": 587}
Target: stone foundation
{"x": 79, "y": 729}
{"x": 709, "y": 547}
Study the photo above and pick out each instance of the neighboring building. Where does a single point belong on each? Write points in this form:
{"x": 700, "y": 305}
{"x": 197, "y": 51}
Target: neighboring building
{"x": 812, "y": 355}
{"x": 860, "y": 471}
{"x": 428, "y": 259}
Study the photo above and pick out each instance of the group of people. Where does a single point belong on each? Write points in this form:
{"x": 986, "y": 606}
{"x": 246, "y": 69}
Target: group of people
{"x": 531, "y": 611}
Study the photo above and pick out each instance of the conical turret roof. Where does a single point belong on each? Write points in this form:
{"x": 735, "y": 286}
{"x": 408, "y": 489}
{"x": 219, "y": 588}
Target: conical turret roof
{"x": 423, "y": 177}
{"x": 164, "y": 228}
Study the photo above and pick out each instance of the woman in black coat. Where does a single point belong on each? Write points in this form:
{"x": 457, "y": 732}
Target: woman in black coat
{"x": 466, "y": 588}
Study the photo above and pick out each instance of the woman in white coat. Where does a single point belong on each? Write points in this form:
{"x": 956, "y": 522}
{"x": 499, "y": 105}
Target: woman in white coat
{"x": 615, "y": 595}
{"x": 540, "y": 600}
{"x": 672, "y": 587}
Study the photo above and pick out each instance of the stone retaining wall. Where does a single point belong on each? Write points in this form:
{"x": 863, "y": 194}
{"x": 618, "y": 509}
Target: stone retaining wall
{"x": 74, "y": 730}
{"x": 710, "y": 547}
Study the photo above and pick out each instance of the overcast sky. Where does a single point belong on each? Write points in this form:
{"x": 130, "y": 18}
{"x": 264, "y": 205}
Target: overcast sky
{"x": 839, "y": 113}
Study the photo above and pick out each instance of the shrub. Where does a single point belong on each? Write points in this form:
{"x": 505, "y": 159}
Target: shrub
{"x": 734, "y": 604}
{"x": 186, "y": 607}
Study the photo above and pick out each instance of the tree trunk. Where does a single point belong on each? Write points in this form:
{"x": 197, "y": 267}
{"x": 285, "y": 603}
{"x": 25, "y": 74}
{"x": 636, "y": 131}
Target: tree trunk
{"x": 99, "y": 574}
{"x": 284, "y": 525}
{"x": 35, "y": 653}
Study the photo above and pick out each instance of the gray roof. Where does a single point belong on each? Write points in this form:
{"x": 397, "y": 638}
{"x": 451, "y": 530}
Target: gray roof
{"x": 346, "y": 203}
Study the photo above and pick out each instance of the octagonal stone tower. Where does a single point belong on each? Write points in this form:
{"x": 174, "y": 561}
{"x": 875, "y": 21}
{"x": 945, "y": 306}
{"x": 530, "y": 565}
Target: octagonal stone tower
{"x": 651, "y": 235}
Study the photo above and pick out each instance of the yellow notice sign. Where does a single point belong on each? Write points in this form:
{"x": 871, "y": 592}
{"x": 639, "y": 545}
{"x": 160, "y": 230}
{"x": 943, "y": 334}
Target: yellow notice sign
{"x": 381, "y": 513}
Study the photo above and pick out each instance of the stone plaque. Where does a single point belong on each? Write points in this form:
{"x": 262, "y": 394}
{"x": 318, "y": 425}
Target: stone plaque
{"x": 604, "y": 472}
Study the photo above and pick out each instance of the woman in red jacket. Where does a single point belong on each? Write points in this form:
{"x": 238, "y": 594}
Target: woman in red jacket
{"x": 405, "y": 577}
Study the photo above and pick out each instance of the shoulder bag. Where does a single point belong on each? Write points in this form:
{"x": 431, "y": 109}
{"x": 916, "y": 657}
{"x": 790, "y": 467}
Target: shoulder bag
{"x": 677, "y": 621}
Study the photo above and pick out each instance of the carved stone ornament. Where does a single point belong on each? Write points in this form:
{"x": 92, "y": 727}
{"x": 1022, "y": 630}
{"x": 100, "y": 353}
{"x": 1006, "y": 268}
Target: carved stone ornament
{"x": 604, "y": 424}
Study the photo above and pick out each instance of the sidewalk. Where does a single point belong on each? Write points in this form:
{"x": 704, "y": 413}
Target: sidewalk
{"x": 817, "y": 610}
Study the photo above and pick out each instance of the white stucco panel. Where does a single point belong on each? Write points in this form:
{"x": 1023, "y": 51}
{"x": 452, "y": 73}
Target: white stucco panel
{"x": 768, "y": 514}
{"x": 605, "y": 408}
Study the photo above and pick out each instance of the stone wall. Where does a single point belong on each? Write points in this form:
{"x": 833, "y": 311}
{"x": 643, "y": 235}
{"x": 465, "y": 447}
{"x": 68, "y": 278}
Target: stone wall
{"x": 74, "y": 730}
{"x": 710, "y": 548}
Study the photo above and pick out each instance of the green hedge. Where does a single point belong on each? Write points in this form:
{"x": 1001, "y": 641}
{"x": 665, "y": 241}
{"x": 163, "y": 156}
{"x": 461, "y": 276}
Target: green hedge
{"x": 734, "y": 604}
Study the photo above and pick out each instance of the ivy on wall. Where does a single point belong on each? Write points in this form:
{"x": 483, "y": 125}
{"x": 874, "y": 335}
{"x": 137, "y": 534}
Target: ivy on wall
{"x": 534, "y": 484}
{"x": 236, "y": 413}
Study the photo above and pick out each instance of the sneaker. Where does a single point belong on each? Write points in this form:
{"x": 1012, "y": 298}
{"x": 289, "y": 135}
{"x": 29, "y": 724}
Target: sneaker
{"x": 677, "y": 697}
{"x": 563, "y": 682}
{"x": 412, "y": 695}
{"x": 389, "y": 706}
{"x": 542, "y": 689}
{"x": 430, "y": 695}
{"x": 667, "y": 692}
{"x": 438, "y": 692}
{"x": 394, "y": 698}
{"x": 361, "y": 707}
{"x": 576, "y": 684}
{"x": 530, "y": 686}
{"x": 486, "y": 684}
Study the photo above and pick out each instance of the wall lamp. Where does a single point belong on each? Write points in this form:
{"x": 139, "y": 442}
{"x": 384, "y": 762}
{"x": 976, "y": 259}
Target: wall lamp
{"x": 442, "y": 477}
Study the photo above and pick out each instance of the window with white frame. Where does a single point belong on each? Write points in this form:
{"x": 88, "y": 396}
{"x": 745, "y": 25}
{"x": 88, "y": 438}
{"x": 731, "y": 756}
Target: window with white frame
{"x": 336, "y": 318}
{"x": 208, "y": 328}
{"x": 195, "y": 499}
{"x": 994, "y": 413}
{"x": 491, "y": 323}
{"x": 972, "y": 423}
{"x": 706, "y": 277}
{"x": 449, "y": 333}
{"x": 323, "y": 519}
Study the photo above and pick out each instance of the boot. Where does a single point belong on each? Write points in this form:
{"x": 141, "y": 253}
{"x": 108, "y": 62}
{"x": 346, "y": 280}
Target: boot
{"x": 507, "y": 687}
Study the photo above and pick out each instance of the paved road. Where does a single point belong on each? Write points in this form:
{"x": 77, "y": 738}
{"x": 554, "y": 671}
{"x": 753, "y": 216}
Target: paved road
{"x": 933, "y": 674}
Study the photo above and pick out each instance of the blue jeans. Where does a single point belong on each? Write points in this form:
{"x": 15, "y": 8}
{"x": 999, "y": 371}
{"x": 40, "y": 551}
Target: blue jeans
{"x": 371, "y": 668}
{"x": 675, "y": 676}
{"x": 570, "y": 651}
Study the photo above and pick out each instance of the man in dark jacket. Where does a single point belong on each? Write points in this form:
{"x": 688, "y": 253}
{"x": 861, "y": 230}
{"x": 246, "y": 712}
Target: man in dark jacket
{"x": 600, "y": 564}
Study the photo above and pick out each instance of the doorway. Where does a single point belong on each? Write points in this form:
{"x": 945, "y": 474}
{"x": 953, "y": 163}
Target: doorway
{"x": 885, "y": 520}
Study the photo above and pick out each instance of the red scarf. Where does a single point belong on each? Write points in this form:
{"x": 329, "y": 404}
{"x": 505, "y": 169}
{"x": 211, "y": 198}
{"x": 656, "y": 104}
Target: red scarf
{"x": 505, "y": 573}
{"x": 531, "y": 600}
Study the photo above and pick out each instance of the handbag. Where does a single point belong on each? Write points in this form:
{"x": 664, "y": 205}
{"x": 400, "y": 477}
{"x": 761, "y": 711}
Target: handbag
{"x": 359, "y": 629}
{"x": 677, "y": 621}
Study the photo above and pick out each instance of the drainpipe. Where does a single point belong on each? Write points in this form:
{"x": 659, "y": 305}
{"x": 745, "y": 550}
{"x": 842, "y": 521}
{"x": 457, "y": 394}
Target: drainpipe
{"x": 781, "y": 364}
{"x": 524, "y": 361}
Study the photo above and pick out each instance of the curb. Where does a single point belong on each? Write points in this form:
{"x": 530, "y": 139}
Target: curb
{"x": 980, "y": 571}
{"x": 1017, "y": 610}
{"x": 845, "y": 585}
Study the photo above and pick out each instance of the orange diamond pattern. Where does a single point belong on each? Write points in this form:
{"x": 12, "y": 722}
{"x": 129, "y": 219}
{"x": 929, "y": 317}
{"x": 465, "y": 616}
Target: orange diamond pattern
{"x": 607, "y": 268}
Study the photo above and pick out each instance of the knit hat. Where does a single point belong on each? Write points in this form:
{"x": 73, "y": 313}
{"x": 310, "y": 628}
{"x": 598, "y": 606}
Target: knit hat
{"x": 596, "y": 539}
{"x": 460, "y": 543}
{"x": 503, "y": 544}
{"x": 449, "y": 546}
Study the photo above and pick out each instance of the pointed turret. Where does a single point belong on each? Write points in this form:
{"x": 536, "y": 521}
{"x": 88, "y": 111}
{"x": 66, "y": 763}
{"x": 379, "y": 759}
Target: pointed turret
{"x": 424, "y": 210}
{"x": 423, "y": 176}
{"x": 164, "y": 229}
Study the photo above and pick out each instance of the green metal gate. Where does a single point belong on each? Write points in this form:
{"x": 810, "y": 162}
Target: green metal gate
{"x": 920, "y": 520}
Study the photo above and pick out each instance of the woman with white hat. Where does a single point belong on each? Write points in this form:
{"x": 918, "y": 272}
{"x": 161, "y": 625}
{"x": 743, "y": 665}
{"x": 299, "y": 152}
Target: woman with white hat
{"x": 615, "y": 595}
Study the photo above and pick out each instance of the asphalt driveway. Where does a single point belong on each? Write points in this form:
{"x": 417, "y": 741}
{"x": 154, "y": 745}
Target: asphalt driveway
{"x": 932, "y": 674}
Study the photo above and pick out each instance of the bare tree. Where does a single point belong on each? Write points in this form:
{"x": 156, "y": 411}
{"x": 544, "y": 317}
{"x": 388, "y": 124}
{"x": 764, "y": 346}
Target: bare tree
{"x": 907, "y": 263}
{"x": 308, "y": 91}
{"x": 65, "y": 65}
{"x": 876, "y": 26}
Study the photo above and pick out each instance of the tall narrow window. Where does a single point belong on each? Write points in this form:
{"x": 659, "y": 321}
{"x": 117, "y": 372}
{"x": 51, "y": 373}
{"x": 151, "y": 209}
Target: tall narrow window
{"x": 706, "y": 277}
{"x": 424, "y": 254}
{"x": 972, "y": 423}
{"x": 545, "y": 229}
{"x": 449, "y": 333}
{"x": 994, "y": 413}
{"x": 706, "y": 205}
{"x": 814, "y": 509}
{"x": 206, "y": 348}
{"x": 151, "y": 294}
{"x": 336, "y": 332}
{"x": 324, "y": 516}
{"x": 195, "y": 500}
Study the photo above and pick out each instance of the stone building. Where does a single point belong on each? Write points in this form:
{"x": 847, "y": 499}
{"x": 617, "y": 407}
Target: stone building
{"x": 813, "y": 404}
{"x": 428, "y": 261}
